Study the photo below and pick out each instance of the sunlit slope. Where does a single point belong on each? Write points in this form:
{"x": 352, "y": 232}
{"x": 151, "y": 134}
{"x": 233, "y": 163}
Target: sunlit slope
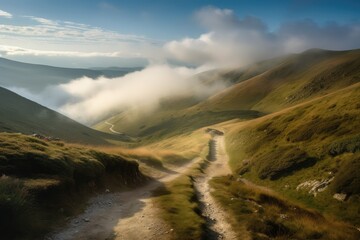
{"x": 260, "y": 88}
{"x": 36, "y": 77}
{"x": 18, "y": 114}
{"x": 316, "y": 140}
{"x": 300, "y": 77}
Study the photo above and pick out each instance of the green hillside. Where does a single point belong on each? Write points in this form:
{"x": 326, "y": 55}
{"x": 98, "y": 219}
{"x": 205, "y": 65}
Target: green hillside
{"x": 297, "y": 78}
{"x": 314, "y": 141}
{"x": 262, "y": 88}
{"x": 37, "y": 178}
{"x": 18, "y": 114}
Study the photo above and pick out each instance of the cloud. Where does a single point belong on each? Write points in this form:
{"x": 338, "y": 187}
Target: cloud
{"x": 43, "y": 21}
{"x": 91, "y": 100}
{"x": 18, "y": 51}
{"x": 5, "y": 14}
{"x": 234, "y": 41}
{"x": 59, "y": 39}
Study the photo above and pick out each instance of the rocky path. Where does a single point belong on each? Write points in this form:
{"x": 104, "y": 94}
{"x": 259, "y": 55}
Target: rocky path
{"x": 217, "y": 222}
{"x": 125, "y": 215}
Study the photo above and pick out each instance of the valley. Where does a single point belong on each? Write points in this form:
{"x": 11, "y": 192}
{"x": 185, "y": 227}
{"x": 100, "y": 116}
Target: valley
{"x": 274, "y": 154}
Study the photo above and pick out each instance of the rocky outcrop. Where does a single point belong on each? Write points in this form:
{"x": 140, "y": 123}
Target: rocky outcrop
{"x": 340, "y": 196}
{"x": 314, "y": 186}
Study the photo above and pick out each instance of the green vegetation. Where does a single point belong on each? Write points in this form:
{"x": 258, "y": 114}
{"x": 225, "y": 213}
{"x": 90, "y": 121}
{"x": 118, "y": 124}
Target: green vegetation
{"x": 292, "y": 80}
{"x": 262, "y": 214}
{"x": 180, "y": 208}
{"x": 316, "y": 140}
{"x": 179, "y": 204}
{"x": 19, "y": 114}
{"x": 49, "y": 180}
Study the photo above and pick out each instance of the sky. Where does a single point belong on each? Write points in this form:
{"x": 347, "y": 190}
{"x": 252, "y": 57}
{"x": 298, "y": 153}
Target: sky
{"x": 96, "y": 33}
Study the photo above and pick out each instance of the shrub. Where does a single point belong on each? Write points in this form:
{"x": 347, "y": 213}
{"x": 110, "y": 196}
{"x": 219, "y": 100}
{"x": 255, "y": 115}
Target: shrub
{"x": 347, "y": 179}
{"x": 282, "y": 161}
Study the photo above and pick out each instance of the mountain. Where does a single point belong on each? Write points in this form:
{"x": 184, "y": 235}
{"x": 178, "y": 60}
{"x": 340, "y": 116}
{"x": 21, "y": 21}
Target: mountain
{"x": 259, "y": 89}
{"x": 18, "y": 114}
{"x": 36, "y": 77}
{"x": 294, "y": 129}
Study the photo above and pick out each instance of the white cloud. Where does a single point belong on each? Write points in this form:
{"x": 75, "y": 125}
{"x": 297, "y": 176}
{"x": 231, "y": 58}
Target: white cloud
{"x": 234, "y": 41}
{"x": 90, "y": 100}
{"x": 43, "y": 21}
{"x": 17, "y": 51}
{"x": 59, "y": 39}
{"x": 5, "y": 14}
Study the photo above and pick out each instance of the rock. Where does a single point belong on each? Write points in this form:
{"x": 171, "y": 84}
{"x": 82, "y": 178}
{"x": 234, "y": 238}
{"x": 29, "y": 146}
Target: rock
{"x": 340, "y": 196}
{"x": 315, "y": 186}
{"x": 86, "y": 220}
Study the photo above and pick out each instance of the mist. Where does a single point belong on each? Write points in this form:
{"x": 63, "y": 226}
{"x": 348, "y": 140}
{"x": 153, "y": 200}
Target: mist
{"x": 90, "y": 100}
{"x": 228, "y": 41}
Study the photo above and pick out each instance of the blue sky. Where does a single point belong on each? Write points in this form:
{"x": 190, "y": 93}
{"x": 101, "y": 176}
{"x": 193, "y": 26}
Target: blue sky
{"x": 146, "y": 25}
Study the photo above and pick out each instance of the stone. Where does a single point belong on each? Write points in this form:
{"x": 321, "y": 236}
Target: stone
{"x": 340, "y": 196}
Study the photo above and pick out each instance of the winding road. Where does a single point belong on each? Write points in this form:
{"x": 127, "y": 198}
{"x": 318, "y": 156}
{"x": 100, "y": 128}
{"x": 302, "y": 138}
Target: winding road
{"x": 112, "y": 127}
{"x": 133, "y": 215}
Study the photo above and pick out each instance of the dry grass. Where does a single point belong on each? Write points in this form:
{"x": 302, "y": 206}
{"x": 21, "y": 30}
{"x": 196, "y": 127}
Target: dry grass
{"x": 266, "y": 215}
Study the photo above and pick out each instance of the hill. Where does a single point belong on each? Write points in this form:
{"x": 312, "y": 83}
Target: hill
{"x": 309, "y": 152}
{"x": 44, "y": 182}
{"x": 19, "y": 114}
{"x": 36, "y": 77}
{"x": 260, "y": 88}
{"x": 297, "y": 78}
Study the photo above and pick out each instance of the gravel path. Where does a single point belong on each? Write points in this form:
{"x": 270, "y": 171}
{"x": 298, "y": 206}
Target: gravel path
{"x": 125, "y": 215}
{"x": 217, "y": 221}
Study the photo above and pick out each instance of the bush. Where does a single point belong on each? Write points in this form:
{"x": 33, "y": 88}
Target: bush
{"x": 347, "y": 179}
{"x": 282, "y": 161}
{"x": 344, "y": 145}
{"x": 18, "y": 215}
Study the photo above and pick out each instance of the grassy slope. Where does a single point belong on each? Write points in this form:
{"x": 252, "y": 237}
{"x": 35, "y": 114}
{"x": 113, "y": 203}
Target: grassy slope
{"x": 261, "y": 214}
{"x": 18, "y": 114}
{"x": 313, "y": 141}
{"x": 36, "y": 77}
{"x": 284, "y": 149}
{"x": 299, "y": 77}
{"x": 174, "y": 111}
{"x": 40, "y": 177}
{"x": 275, "y": 85}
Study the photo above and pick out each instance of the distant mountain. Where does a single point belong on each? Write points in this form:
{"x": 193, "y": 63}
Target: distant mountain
{"x": 35, "y": 77}
{"x": 18, "y": 114}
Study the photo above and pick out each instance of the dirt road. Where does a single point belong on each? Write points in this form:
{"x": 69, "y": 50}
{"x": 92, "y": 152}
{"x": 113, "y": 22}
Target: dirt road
{"x": 217, "y": 221}
{"x": 126, "y": 215}
{"x": 111, "y": 128}
{"x": 132, "y": 214}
